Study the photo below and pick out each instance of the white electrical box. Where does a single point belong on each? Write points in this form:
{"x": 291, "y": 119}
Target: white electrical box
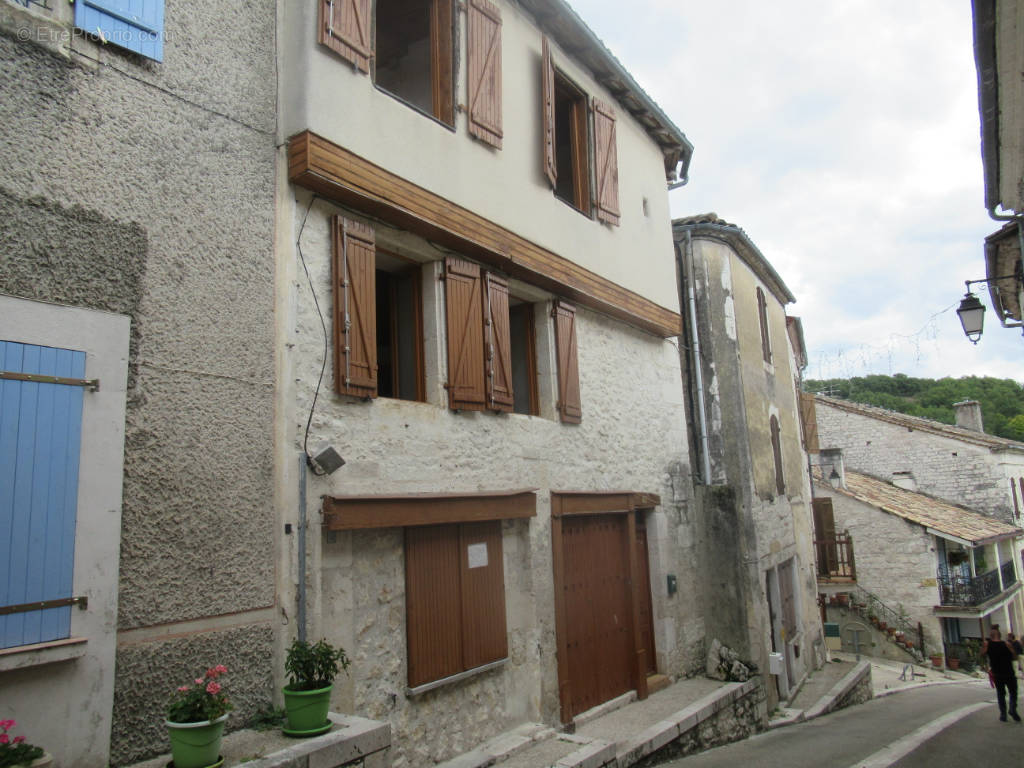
{"x": 776, "y": 664}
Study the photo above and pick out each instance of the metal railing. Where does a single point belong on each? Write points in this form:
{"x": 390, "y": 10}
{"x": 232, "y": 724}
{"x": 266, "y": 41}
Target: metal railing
{"x": 868, "y": 604}
{"x": 1009, "y": 574}
{"x": 956, "y": 589}
{"x": 835, "y": 558}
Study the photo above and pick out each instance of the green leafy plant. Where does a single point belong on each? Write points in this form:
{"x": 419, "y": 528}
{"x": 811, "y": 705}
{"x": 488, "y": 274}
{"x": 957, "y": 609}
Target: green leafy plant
{"x": 14, "y": 750}
{"x": 201, "y": 700}
{"x": 311, "y": 667}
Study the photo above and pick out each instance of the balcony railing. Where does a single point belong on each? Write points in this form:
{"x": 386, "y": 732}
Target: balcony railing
{"x": 955, "y": 589}
{"x": 835, "y": 558}
{"x": 1009, "y": 574}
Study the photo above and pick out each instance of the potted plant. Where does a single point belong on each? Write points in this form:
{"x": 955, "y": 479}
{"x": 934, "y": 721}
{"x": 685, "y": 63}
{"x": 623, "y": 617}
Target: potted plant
{"x": 195, "y": 720}
{"x": 16, "y": 752}
{"x": 307, "y": 696}
{"x": 953, "y": 661}
{"x": 936, "y": 659}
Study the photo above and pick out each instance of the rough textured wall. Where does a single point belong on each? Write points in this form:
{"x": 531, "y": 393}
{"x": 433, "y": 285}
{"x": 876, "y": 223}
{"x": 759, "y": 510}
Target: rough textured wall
{"x": 148, "y": 189}
{"x": 949, "y": 469}
{"x": 895, "y": 560}
{"x": 148, "y": 673}
{"x": 632, "y": 437}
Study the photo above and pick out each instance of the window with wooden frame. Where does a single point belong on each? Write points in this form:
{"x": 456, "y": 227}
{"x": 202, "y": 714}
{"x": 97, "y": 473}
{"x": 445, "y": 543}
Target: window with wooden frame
{"x": 454, "y": 599}
{"x": 762, "y": 316}
{"x": 567, "y": 118}
{"x": 1016, "y": 503}
{"x": 808, "y": 420}
{"x": 780, "y": 481}
{"x": 414, "y": 54}
{"x": 490, "y": 342}
{"x": 377, "y": 317}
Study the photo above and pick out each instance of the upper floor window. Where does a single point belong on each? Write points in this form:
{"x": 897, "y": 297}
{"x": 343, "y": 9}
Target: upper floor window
{"x": 410, "y": 46}
{"x": 780, "y": 481}
{"x": 762, "y": 316}
{"x": 569, "y": 148}
{"x": 136, "y": 26}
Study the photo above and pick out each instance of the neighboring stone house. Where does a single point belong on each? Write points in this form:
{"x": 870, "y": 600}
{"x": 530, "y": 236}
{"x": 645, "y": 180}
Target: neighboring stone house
{"x": 960, "y": 464}
{"x": 751, "y": 470}
{"x": 476, "y": 249}
{"x": 951, "y": 570}
{"x": 137, "y": 201}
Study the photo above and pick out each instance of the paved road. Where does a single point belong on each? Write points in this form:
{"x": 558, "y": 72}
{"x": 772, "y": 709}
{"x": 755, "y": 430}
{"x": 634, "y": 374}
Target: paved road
{"x": 933, "y": 727}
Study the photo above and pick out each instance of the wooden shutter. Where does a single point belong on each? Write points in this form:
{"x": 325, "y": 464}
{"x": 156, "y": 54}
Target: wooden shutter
{"x": 788, "y": 599}
{"x": 484, "y": 636}
{"x": 569, "y": 405}
{"x": 547, "y": 111}
{"x": 606, "y": 163}
{"x": 762, "y": 316}
{"x": 345, "y": 29}
{"x": 499, "y": 346}
{"x": 780, "y": 482}
{"x": 355, "y": 308}
{"x": 137, "y": 26}
{"x": 825, "y": 536}
{"x": 433, "y": 603}
{"x": 808, "y": 421}
{"x": 484, "y": 49}
{"x": 465, "y": 308}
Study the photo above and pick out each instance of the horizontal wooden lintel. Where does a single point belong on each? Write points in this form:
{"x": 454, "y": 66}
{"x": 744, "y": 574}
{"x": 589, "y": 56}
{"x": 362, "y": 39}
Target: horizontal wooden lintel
{"x": 346, "y": 178}
{"x": 567, "y": 503}
{"x": 347, "y": 513}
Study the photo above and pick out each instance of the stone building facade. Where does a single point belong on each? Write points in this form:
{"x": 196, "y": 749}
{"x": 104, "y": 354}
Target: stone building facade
{"x": 751, "y": 471}
{"x": 490, "y": 291}
{"x": 138, "y": 194}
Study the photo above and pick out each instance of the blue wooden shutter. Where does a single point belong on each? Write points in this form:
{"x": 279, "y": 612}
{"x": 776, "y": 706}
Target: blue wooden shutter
{"x": 40, "y": 439}
{"x": 137, "y": 25}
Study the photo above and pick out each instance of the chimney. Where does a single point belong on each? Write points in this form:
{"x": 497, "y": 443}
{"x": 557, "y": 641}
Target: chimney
{"x": 905, "y": 480}
{"x": 831, "y": 460}
{"x": 968, "y": 415}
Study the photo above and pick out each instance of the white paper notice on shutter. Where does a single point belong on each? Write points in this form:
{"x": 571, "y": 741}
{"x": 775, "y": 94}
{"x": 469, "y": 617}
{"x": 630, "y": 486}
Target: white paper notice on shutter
{"x": 477, "y": 555}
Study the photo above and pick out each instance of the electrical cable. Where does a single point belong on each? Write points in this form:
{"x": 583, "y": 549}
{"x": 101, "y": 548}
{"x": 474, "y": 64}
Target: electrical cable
{"x": 323, "y": 325}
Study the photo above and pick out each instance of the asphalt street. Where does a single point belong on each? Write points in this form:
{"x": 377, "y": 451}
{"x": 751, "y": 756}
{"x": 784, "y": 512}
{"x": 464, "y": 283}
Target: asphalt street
{"x": 933, "y": 727}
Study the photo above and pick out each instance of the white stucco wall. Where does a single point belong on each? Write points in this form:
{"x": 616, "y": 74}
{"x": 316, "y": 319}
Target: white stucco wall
{"x": 632, "y": 437}
{"x": 62, "y": 695}
{"x": 322, "y": 93}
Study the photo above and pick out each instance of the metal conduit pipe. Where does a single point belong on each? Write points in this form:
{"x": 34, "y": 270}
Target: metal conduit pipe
{"x": 301, "y": 610}
{"x": 691, "y": 297}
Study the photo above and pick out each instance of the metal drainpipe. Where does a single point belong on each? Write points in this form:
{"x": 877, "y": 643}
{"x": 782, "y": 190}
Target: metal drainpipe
{"x": 301, "y": 613}
{"x": 705, "y": 456}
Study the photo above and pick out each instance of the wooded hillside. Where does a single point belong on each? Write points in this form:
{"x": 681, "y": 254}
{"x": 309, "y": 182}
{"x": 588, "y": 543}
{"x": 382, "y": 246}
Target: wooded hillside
{"x": 1002, "y": 400}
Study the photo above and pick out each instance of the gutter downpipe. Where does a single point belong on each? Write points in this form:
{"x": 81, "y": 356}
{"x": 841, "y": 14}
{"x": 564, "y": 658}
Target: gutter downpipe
{"x": 705, "y": 454}
{"x": 301, "y": 611}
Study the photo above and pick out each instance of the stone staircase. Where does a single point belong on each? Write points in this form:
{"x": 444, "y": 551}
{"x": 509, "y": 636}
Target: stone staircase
{"x": 892, "y": 634}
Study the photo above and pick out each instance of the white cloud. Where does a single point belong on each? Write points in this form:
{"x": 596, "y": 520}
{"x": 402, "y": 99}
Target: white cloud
{"x": 843, "y": 137}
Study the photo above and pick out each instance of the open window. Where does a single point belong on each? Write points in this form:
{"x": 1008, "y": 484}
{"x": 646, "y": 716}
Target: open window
{"x": 780, "y": 480}
{"x": 414, "y": 54}
{"x": 762, "y": 317}
{"x": 572, "y": 182}
{"x": 377, "y": 317}
{"x": 523, "y": 347}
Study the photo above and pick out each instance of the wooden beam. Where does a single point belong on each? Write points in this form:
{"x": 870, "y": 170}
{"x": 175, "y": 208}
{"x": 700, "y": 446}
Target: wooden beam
{"x": 342, "y": 176}
{"x": 348, "y": 513}
{"x": 568, "y": 503}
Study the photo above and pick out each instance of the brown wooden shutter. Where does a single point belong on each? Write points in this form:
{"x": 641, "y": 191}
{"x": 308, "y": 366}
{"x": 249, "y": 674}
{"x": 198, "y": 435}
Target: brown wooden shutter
{"x": 498, "y": 359}
{"x": 780, "y": 481}
{"x": 484, "y": 636}
{"x": 809, "y": 421}
{"x": 355, "y": 308}
{"x": 606, "y": 163}
{"x": 484, "y": 76}
{"x": 762, "y": 316}
{"x": 787, "y": 598}
{"x": 569, "y": 405}
{"x": 433, "y": 603}
{"x": 345, "y": 29}
{"x": 825, "y": 536}
{"x": 465, "y": 306}
{"x": 547, "y": 89}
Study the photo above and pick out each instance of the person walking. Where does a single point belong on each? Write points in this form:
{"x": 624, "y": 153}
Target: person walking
{"x": 1000, "y": 665}
{"x": 1014, "y": 643}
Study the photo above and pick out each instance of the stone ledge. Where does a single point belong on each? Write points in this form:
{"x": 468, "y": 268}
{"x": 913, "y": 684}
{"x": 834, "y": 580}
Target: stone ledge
{"x": 355, "y": 738}
{"x": 596, "y": 754}
{"x": 827, "y": 703}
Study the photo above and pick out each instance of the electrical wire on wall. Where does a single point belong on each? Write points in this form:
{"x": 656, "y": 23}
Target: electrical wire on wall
{"x": 323, "y": 325}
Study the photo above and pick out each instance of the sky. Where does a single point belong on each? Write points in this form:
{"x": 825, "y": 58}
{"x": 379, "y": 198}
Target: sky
{"x": 843, "y": 137}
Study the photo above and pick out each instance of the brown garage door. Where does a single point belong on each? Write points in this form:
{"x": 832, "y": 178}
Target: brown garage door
{"x": 597, "y": 604}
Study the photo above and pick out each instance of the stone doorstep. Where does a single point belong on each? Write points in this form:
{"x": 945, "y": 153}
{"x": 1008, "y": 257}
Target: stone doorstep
{"x": 355, "y": 738}
{"x": 603, "y": 709}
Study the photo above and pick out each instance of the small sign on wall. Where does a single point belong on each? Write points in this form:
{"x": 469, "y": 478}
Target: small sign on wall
{"x": 477, "y": 555}
{"x": 929, "y": 583}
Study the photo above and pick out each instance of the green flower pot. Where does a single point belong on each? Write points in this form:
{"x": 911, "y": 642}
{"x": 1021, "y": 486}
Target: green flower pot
{"x": 196, "y": 745}
{"x": 306, "y": 710}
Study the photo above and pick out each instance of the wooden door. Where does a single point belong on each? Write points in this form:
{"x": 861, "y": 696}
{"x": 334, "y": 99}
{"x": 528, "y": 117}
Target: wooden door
{"x": 645, "y": 606}
{"x": 598, "y": 608}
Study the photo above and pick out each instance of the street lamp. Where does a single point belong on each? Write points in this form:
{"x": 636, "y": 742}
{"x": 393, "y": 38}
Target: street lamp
{"x": 972, "y": 316}
{"x": 834, "y": 479}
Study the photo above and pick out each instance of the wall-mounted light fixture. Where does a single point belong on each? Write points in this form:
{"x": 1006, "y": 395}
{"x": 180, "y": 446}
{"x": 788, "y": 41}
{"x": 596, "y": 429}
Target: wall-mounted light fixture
{"x": 834, "y": 479}
{"x": 972, "y": 311}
